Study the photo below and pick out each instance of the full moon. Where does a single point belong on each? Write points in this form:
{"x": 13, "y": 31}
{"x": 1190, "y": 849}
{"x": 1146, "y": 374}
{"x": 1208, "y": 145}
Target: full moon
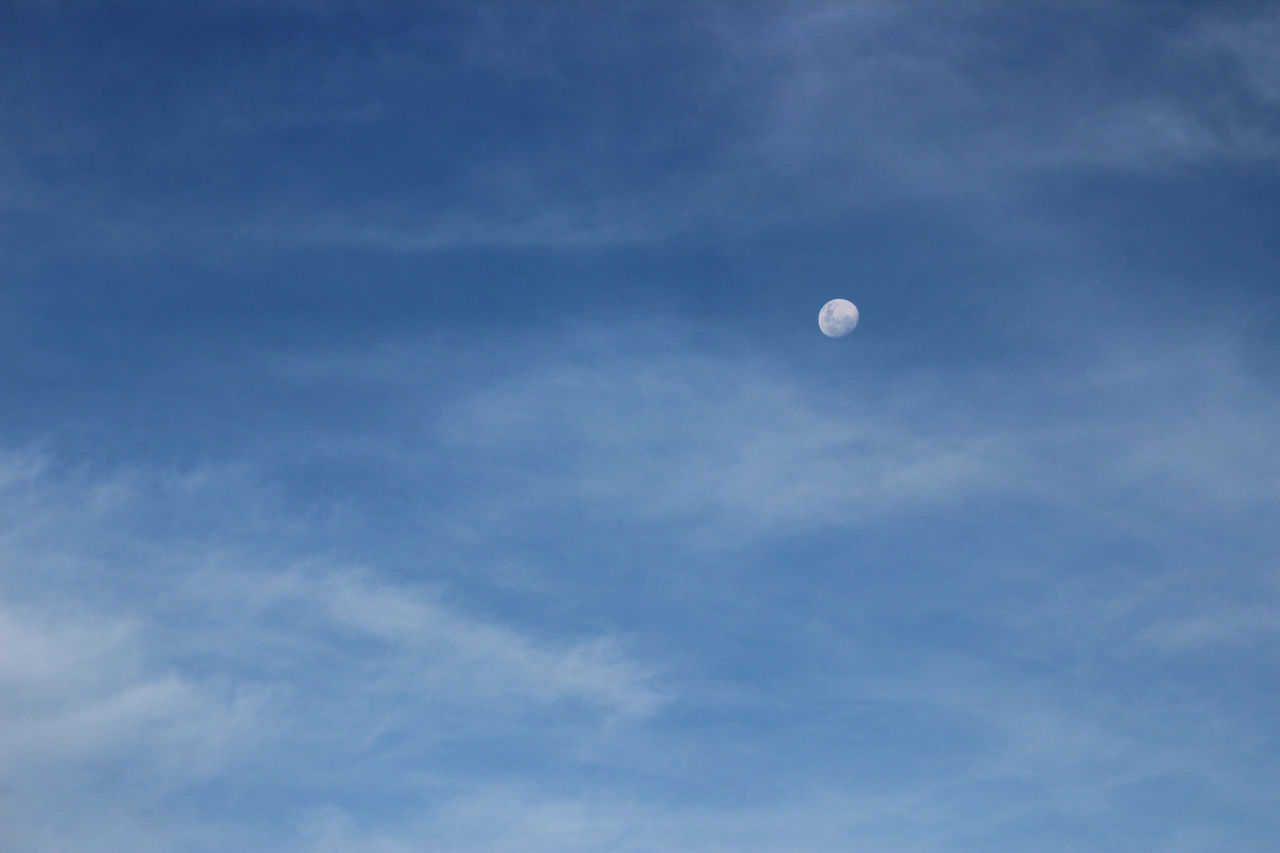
{"x": 837, "y": 318}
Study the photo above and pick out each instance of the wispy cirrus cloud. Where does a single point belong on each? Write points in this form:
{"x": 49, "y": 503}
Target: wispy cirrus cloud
{"x": 91, "y": 715}
{"x": 775, "y": 115}
{"x": 436, "y": 653}
{"x": 316, "y": 535}
{"x": 168, "y": 662}
{"x": 727, "y": 452}
{"x": 1247, "y": 42}
{"x": 232, "y": 638}
{"x": 80, "y": 690}
{"x": 690, "y": 437}
{"x": 677, "y": 430}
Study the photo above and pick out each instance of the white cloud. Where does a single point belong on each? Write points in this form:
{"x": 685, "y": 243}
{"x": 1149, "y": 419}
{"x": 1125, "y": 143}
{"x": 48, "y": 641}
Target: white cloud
{"x": 167, "y": 659}
{"x": 1240, "y": 627}
{"x": 825, "y": 108}
{"x": 709, "y": 439}
{"x": 93, "y": 728}
{"x": 231, "y": 663}
{"x": 1248, "y": 42}
{"x": 428, "y": 651}
{"x": 791, "y": 112}
{"x": 923, "y": 101}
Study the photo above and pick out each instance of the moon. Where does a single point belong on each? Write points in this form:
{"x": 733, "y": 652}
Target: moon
{"x": 837, "y": 318}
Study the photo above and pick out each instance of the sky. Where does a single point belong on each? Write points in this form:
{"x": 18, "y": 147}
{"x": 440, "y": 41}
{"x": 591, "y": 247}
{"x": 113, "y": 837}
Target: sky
{"x": 416, "y": 435}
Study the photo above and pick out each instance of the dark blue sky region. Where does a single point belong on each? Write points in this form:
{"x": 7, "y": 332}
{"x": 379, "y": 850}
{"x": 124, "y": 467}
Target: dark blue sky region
{"x": 416, "y": 435}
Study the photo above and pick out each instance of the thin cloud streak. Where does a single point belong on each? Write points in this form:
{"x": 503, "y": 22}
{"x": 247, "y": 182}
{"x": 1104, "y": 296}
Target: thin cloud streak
{"x": 444, "y": 655}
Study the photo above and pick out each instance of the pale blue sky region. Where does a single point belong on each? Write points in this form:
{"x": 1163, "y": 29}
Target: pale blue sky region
{"x": 415, "y": 433}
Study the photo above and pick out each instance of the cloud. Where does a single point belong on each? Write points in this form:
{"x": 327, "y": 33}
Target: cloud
{"x": 687, "y": 437}
{"x": 428, "y": 651}
{"x": 198, "y": 634}
{"x": 141, "y": 663}
{"x": 1246, "y": 41}
{"x": 78, "y": 531}
{"x": 689, "y": 434}
{"x": 78, "y": 689}
{"x": 631, "y": 582}
{"x": 1240, "y": 627}
{"x": 773, "y": 115}
{"x": 924, "y": 102}
{"x": 94, "y": 730}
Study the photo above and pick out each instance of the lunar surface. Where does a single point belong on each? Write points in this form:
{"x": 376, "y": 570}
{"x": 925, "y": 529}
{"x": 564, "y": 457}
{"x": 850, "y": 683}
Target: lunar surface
{"x": 837, "y": 318}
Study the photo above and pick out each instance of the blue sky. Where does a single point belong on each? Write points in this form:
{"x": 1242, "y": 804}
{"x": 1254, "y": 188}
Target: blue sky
{"x": 415, "y": 433}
